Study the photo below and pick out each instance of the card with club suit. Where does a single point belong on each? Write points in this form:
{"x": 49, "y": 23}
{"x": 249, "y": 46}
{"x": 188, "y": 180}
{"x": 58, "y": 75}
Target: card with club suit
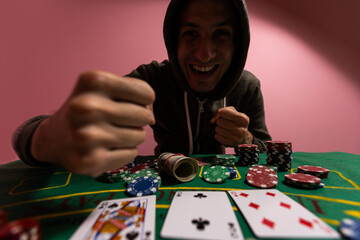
{"x": 201, "y": 215}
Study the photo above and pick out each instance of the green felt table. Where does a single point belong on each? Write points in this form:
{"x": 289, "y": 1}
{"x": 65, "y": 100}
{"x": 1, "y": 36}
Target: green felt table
{"x": 61, "y": 200}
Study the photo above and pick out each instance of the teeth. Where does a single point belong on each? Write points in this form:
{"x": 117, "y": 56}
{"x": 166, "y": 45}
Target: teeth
{"x": 203, "y": 68}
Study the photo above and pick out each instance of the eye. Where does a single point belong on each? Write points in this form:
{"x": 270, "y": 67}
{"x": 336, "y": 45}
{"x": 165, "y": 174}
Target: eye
{"x": 190, "y": 33}
{"x": 223, "y": 33}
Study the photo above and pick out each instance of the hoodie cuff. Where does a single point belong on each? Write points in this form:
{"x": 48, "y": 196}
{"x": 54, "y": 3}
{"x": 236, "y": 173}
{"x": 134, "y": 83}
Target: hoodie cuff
{"x": 22, "y": 140}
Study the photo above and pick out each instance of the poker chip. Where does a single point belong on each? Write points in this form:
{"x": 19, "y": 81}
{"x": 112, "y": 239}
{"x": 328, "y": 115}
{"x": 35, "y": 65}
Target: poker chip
{"x": 216, "y": 174}
{"x": 233, "y": 172}
{"x": 279, "y": 145}
{"x": 248, "y": 154}
{"x": 350, "y": 228}
{"x": 303, "y": 180}
{"x": 3, "y": 217}
{"x": 225, "y": 160}
{"x": 114, "y": 176}
{"x": 133, "y": 163}
{"x": 142, "y": 186}
{"x": 279, "y": 154}
{"x": 262, "y": 177}
{"x": 21, "y": 229}
{"x": 139, "y": 167}
{"x": 317, "y": 171}
{"x": 144, "y": 173}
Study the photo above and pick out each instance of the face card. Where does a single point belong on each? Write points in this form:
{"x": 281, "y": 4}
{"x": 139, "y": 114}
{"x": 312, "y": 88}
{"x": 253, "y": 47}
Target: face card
{"x": 201, "y": 215}
{"x": 128, "y": 218}
{"x": 272, "y": 214}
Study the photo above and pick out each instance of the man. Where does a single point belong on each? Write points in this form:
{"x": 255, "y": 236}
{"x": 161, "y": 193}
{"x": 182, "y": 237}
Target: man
{"x": 205, "y": 100}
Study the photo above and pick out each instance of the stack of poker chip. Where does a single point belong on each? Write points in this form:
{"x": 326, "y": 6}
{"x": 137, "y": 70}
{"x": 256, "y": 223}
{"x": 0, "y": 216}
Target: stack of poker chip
{"x": 142, "y": 182}
{"x": 141, "y": 178}
{"x": 248, "y": 154}
{"x": 114, "y": 176}
{"x": 225, "y": 160}
{"x": 302, "y": 180}
{"x": 316, "y": 171}
{"x": 279, "y": 154}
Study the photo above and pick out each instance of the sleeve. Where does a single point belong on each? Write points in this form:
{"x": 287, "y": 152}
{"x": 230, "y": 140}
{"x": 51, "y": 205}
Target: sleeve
{"x": 252, "y": 104}
{"x": 22, "y": 140}
{"x": 257, "y": 125}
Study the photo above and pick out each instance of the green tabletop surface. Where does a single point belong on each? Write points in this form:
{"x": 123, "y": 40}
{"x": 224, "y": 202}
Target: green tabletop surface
{"x": 61, "y": 201}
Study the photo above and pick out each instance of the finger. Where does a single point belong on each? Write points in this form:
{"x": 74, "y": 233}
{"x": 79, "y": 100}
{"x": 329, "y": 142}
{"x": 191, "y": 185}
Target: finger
{"x": 116, "y": 87}
{"x": 100, "y": 160}
{"x": 90, "y": 108}
{"x": 223, "y": 140}
{"x": 215, "y": 117}
{"x": 239, "y": 119}
{"x": 108, "y": 136}
{"x": 233, "y": 136}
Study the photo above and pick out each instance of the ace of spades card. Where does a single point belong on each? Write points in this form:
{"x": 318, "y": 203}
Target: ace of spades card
{"x": 201, "y": 215}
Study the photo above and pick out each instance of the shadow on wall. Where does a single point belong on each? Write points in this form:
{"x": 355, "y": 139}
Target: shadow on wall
{"x": 328, "y": 26}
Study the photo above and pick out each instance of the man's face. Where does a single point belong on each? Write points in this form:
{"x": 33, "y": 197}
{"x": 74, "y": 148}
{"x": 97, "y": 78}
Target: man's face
{"x": 205, "y": 47}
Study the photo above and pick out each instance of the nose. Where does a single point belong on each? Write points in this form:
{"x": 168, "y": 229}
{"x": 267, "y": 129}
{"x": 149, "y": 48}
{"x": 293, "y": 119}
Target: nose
{"x": 205, "y": 50}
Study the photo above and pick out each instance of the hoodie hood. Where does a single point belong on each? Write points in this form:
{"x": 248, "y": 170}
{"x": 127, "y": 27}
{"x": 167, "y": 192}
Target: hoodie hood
{"x": 241, "y": 46}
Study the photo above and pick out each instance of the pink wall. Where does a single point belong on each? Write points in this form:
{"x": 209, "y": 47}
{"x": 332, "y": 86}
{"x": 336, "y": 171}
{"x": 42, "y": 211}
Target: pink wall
{"x": 306, "y": 54}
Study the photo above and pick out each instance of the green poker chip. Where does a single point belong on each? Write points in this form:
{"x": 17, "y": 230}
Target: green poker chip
{"x": 216, "y": 174}
{"x": 144, "y": 173}
{"x": 225, "y": 160}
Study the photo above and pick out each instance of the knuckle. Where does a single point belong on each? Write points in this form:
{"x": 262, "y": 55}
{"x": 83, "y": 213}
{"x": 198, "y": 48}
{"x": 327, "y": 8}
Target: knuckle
{"x": 92, "y": 80}
{"x": 85, "y": 105}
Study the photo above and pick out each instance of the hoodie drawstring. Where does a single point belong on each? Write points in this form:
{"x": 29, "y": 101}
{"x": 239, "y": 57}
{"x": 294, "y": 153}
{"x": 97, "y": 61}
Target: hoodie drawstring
{"x": 188, "y": 122}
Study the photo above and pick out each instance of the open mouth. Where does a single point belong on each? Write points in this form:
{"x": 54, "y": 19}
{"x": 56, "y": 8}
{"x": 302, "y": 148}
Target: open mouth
{"x": 203, "y": 70}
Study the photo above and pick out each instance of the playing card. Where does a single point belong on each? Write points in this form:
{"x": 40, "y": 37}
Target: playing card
{"x": 128, "y": 218}
{"x": 201, "y": 215}
{"x": 272, "y": 214}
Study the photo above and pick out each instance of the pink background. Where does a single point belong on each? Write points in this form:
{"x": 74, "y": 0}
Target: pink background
{"x": 306, "y": 54}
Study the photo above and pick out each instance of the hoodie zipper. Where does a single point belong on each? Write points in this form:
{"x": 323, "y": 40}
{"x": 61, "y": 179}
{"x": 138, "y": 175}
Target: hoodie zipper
{"x": 201, "y": 110}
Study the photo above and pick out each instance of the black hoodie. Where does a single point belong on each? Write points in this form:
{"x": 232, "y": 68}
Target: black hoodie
{"x": 183, "y": 116}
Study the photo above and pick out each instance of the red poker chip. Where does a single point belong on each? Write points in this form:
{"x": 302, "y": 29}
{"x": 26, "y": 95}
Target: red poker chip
{"x": 252, "y": 146}
{"x": 314, "y": 170}
{"x": 139, "y": 167}
{"x": 260, "y": 169}
{"x": 302, "y": 178}
{"x": 262, "y": 177}
{"x": 21, "y": 229}
{"x": 279, "y": 145}
{"x": 119, "y": 170}
{"x": 3, "y": 218}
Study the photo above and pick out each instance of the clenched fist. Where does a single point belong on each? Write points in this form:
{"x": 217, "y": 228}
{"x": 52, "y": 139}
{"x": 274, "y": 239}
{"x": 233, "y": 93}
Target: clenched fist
{"x": 231, "y": 127}
{"x": 99, "y": 127}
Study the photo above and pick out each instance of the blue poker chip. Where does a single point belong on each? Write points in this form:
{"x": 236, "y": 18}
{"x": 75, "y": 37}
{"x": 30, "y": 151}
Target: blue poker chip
{"x": 233, "y": 173}
{"x": 350, "y": 228}
{"x": 142, "y": 186}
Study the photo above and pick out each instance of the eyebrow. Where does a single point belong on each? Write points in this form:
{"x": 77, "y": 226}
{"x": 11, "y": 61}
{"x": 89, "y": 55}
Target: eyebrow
{"x": 219, "y": 24}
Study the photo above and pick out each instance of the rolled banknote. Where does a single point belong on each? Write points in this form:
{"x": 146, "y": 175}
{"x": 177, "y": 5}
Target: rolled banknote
{"x": 179, "y": 166}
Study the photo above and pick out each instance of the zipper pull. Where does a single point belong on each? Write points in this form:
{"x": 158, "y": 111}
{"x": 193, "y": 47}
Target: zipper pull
{"x": 201, "y": 105}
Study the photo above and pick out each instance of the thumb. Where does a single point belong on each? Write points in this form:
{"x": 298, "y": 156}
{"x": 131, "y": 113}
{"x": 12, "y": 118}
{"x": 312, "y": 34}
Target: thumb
{"x": 215, "y": 117}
